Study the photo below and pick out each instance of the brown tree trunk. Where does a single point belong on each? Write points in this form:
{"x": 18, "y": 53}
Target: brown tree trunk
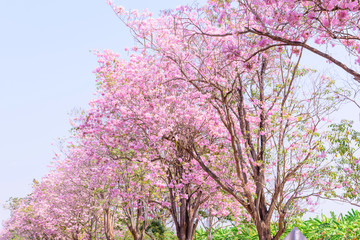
{"x": 135, "y": 234}
{"x": 187, "y": 224}
{"x": 264, "y": 230}
{"x": 108, "y": 226}
{"x": 186, "y": 230}
{"x": 185, "y": 234}
{"x": 181, "y": 235}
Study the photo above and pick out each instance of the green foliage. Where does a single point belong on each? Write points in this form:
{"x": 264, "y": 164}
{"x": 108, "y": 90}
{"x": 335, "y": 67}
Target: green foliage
{"x": 345, "y": 139}
{"x": 320, "y": 228}
{"x": 331, "y": 228}
{"x": 244, "y": 231}
{"x": 156, "y": 229}
{"x": 345, "y": 142}
{"x": 13, "y": 203}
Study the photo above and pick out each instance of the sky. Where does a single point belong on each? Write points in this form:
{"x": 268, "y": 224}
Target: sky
{"x": 46, "y": 72}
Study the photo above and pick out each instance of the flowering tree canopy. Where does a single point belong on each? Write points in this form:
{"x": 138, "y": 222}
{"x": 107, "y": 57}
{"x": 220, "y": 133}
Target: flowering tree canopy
{"x": 211, "y": 115}
{"x": 306, "y": 24}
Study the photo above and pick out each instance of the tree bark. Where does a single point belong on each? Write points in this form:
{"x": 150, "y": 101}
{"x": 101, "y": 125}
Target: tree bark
{"x": 135, "y": 234}
{"x": 264, "y": 230}
{"x": 108, "y": 226}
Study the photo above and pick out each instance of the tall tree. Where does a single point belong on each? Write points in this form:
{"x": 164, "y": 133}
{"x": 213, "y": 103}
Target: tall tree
{"x": 262, "y": 117}
{"x": 125, "y": 119}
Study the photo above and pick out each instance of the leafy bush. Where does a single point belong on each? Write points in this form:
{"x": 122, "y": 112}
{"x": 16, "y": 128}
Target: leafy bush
{"x": 320, "y": 228}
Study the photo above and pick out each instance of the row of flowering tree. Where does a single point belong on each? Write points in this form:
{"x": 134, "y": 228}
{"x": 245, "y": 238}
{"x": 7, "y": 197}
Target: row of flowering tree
{"x": 117, "y": 173}
{"x": 212, "y": 113}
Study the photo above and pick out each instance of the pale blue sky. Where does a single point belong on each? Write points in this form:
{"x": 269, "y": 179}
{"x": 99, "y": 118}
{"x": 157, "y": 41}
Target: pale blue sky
{"x": 46, "y": 71}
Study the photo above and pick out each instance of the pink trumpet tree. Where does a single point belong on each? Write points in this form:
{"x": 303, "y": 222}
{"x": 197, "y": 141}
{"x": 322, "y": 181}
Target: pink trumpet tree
{"x": 135, "y": 116}
{"x": 258, "y": 121}
{"x": 119, "y": 192}
{"x": 85, "y": 197}
{"x": 212, "y": 110}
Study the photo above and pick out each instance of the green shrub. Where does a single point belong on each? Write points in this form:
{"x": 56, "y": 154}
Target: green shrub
{"x": 344, "y": 227}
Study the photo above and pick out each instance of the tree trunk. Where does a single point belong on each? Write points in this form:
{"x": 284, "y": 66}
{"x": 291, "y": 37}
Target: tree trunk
{"x": 264, "y": 231}
{"x": 181, "y": 235}
{"x": 186, "y": 232}
{"x": 108, "y": 226}
{"x": 209, "y": 234}
{"x": 210, "y": 219}
{"x": 134, "y": 233}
